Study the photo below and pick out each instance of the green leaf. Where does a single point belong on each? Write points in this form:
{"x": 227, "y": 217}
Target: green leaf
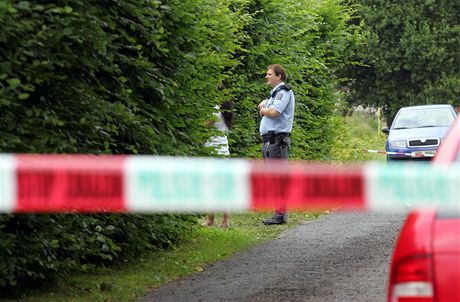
{"x": 12, "y": 10}
{"x": 23, "y": 5}
{"x": 13, "y": 83}
{"x": 23, "y": 96}
{"x": 68, "y": 9}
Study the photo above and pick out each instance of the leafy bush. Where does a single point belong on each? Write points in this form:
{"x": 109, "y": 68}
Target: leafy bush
{"x": 111, "y": 77}
{"x": 311, "y": 39}
{"x": 37, "y": 248}
{"x": 116, "y": 77}
{"x": 142, "y": 77}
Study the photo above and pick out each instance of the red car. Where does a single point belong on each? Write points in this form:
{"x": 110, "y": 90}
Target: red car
{"x": 426, "y": 260}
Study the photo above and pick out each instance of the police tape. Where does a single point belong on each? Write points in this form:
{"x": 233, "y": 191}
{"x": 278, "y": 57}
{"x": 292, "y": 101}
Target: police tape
{"x": 146, "y": 184}
{"x": 412, "y": 154}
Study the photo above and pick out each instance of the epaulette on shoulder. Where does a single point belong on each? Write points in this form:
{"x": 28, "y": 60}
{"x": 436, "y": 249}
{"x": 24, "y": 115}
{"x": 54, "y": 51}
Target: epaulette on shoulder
{"x": 285, "y": 87}
{"x": 282, "y": 87}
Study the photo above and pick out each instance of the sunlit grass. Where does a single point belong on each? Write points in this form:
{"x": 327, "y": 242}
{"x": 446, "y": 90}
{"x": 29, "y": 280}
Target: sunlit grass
{"x": 354, "y": 135}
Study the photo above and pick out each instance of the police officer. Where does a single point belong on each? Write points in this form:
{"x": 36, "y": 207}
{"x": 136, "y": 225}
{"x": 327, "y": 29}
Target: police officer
{"x": 277, "y": 114}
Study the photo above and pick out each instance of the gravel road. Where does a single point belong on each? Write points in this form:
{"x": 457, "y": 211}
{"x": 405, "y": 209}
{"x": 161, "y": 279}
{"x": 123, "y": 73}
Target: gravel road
{"x": 338, "y": 257}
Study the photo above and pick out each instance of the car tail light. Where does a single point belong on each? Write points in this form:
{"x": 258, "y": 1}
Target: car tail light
{"x": 412, "y": 281}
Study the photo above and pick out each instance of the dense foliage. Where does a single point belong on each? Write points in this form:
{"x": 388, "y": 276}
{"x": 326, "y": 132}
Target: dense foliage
{"x": 142, "y": 77}
{"x": 110, "y": 77}
{"x": 410, "y": 55}
{"x": 312, "y": 39}
{"x": 37, "y": 248}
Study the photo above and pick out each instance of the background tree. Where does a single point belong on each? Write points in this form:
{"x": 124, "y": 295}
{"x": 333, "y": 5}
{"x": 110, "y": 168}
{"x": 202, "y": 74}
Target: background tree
{"x": 410, "y": 55}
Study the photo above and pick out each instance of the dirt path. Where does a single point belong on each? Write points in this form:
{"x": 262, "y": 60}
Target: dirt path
{"x": 339, "y": 257}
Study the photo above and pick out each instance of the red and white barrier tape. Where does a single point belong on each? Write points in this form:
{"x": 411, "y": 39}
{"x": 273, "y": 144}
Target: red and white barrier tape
{"x": 143, "y": 184}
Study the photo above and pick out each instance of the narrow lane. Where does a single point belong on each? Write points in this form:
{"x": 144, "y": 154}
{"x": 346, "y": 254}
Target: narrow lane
{"x": 339, "y": 257}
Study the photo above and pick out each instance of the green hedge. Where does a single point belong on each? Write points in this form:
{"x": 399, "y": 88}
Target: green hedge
{"x": 110, "y": 77}
{"x": 142, "y": 77}
{"x": 311, "y": 39}
{"x": 37, "y": 248}
{"x": 116, "y": 77}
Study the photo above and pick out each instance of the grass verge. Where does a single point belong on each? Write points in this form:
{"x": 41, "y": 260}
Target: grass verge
{"x": 354, "y": 135}
{"x": 128, "y": 281}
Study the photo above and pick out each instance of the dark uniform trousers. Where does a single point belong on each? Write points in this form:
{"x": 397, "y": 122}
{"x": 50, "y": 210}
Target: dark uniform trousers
{"x": 276, "y": 146}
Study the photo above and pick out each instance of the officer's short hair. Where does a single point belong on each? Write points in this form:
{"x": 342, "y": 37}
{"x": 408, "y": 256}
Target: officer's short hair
{"x": 279, "y": 71}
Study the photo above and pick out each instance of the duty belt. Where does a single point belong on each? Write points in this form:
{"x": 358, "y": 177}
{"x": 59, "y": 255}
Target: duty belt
{"x": 271, "y": 136}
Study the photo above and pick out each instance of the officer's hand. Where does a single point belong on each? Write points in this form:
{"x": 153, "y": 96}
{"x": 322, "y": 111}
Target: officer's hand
{"x": 260, "y": 110}
{"x": 261, "y": 105}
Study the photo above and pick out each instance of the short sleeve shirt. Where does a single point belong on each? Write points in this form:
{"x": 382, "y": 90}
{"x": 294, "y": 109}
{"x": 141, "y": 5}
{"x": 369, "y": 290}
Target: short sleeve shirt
{"x": 283, "y": 102}
{"x": 219, "y": 142}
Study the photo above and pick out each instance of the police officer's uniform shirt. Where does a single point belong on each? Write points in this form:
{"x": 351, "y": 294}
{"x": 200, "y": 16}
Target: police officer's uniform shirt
{"x": 283, "y": 102}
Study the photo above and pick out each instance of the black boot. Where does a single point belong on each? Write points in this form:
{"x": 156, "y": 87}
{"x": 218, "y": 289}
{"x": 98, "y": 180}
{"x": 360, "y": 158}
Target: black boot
{"x": 276, "y": 219}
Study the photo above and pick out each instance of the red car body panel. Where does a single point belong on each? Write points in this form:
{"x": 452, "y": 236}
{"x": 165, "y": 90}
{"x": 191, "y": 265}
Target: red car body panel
{"x": 414, "y": 241}
{"x": 449, "y": 149}
{"x": 446, "y": 259}
{"x": 416, "y": 236}
{"x": 446, "y": 244}
{"x": 431, "y": 240}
